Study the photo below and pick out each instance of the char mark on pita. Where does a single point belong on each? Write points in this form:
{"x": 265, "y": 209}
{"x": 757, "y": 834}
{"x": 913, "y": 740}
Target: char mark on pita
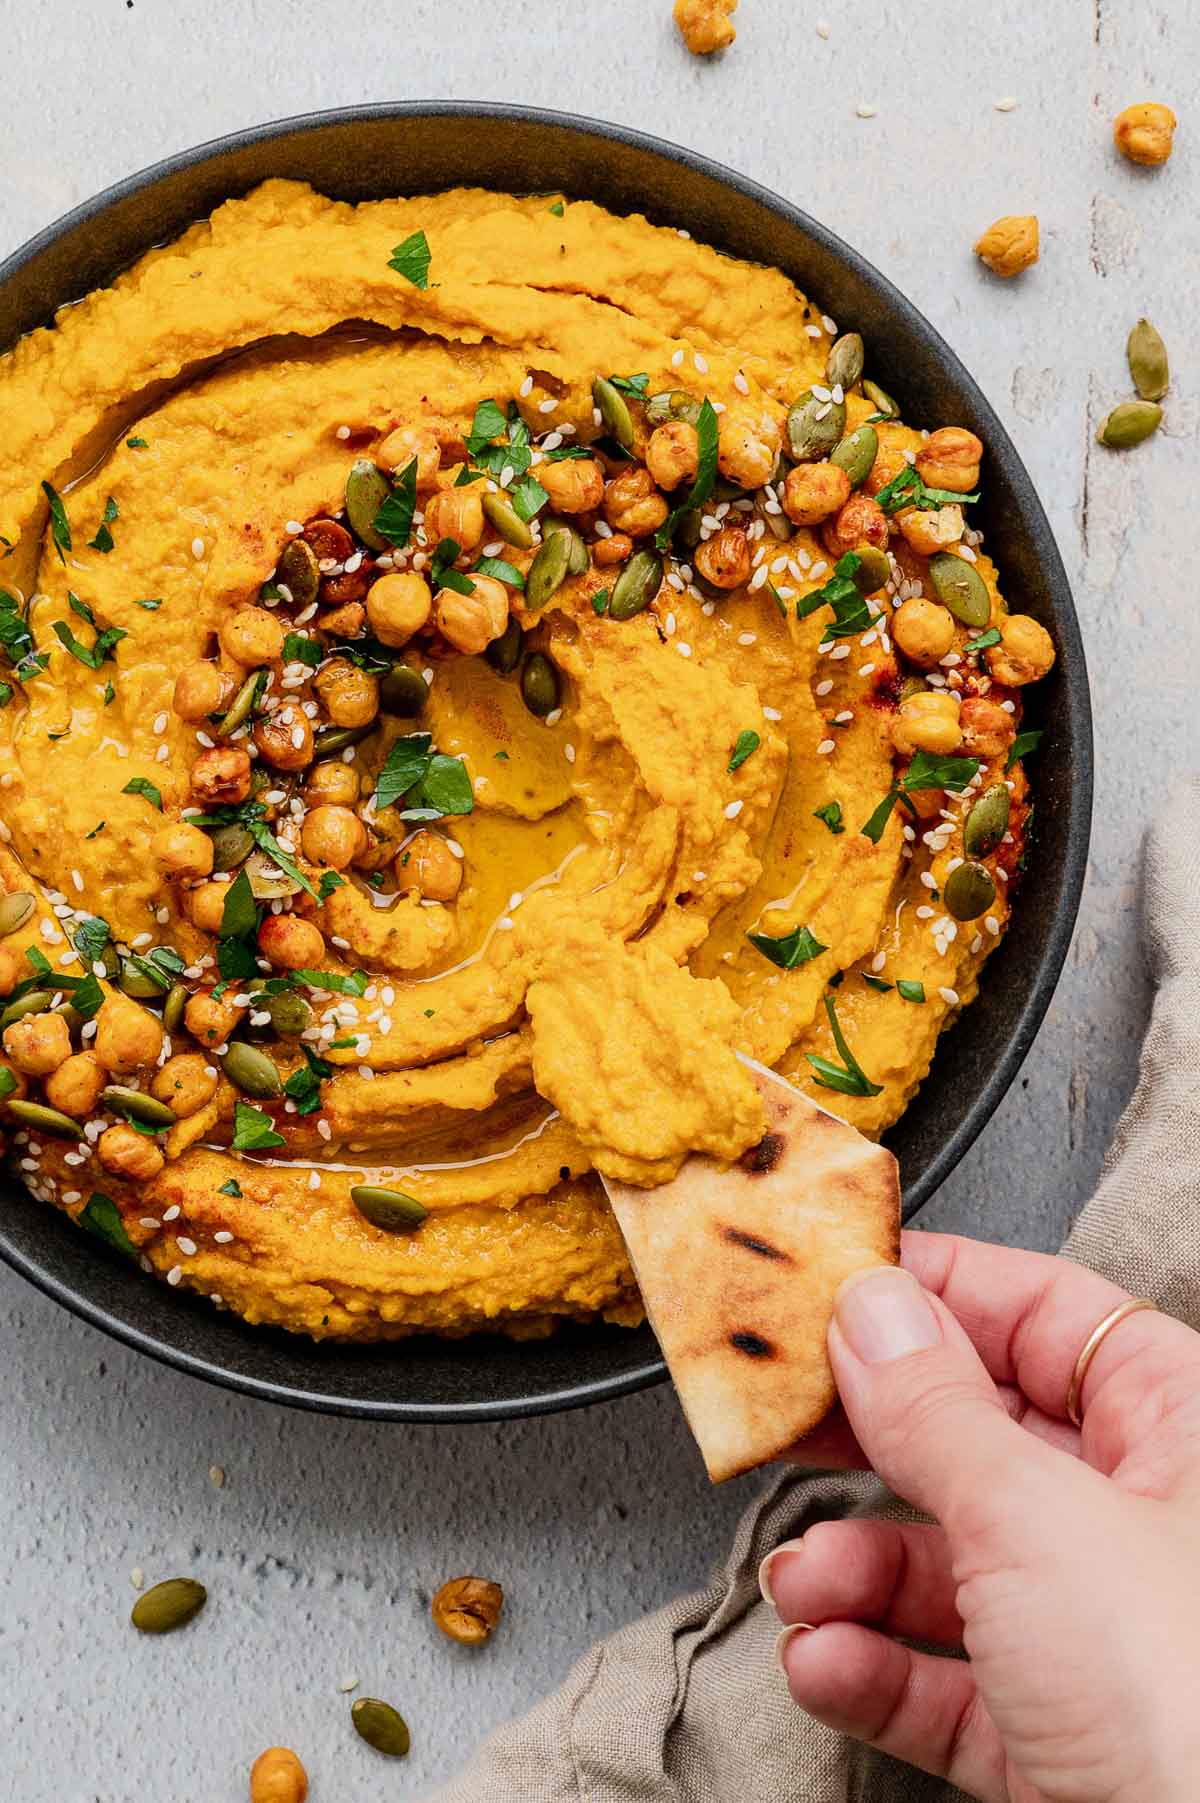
{"x": 752, "y": 1344}
{"x": 749, "y": 1242}
{"x": 764, "y": 1156}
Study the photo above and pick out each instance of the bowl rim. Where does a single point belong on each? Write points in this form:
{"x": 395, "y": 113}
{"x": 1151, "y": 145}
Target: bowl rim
{"x": 1077, "y": 701}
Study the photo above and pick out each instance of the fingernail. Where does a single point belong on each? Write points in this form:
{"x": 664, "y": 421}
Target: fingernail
{"x": 786, "y": 1638}
{"x": 788, "y": 1548}
{"x": 884, "y": 1314}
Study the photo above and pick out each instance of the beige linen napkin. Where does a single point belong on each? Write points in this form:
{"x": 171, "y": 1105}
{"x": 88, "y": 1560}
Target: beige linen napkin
{"x": 685, "y": 1706}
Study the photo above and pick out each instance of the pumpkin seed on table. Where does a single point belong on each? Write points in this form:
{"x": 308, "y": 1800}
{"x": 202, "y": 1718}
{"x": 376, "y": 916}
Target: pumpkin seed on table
{"x": 328, "y": 741}
{"x": 960, "y": 588}
{"x": 508, "y": 522}
{"x": 15, "y": 910}
{"x": 1129, "y": 423}
{"x": 881, "y": 400}
{"x": 367, "y": 488}
{"x": 240, "y": 708}
{"x": 844, "y": 364}
{"x": 504, "y": 653}
{"x": 403, "y": 691}
{"x": 548, "y": 571}
{"x": 299, "y": 572}
{"x": 987, "y": 822}
{"x": 231, "y": 845}
{"x": 636, "y": 586}
{"x": 856, "y": 454}
{"x": 968, "y": 891}
{"x": 614, "y": 412}
{"x": 388, "y": 1209}
{"x": 539, "y": 685}
{"x": 1148, "y": 363}
{"x": 34, "y": 1001}
{"x": 136, "y": 1105}
{"x": 810, "y": 438}
{"x": 44, "y": 1119}
{"x": 381, "y": 1726}
{"x": 169, "y": 1605}
{"x": 252, "y": 1071}
{"x": 672, "y": 403}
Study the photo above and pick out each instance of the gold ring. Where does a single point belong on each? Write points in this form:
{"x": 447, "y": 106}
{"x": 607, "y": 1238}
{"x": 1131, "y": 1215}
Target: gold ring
{"x": 1091, "y": 1347}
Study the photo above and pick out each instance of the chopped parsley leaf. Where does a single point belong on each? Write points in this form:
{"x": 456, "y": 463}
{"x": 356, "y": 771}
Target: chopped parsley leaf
{"x": 103, "y": 540}
{"x": 330, "y": 880}
{"x": 799, "y": 946}
{"x": 984, "y": 641}
{"x": 1023, "y": 744}
{"x": 707, "y": 432}
{"x": 926, "y": 771}
{"x": 299, "y": 649}
{"x": 831, "y": 814}
{"x": 137, "y": 444}
{"x": 747, "y": 743}
{"x": 141, "y": 785}
{"x": 355, "y": 984}
{"x": 528, "y": 497}
{"x": 557, "y": 209}
{"x": 230, "y": 1187}
{"x": 908, "y": 490}
{"x": 60, "y": 525}
{"x": 909, "y": 991}
{"x": 151, "y": 604}
{"x": 93, "y": 655}
{"x": 849, "y": 1076}
{"x": 501, "y": 570}
{"x": 395, "y": 517}
{"x": 98, "y": 828}
{"x": 411, "y": 260}
{"x": 253, "y": 1130}
{"x": 101, "y": 1217}
{"x": 442, "y": 573}
{"x": 634, "y": 386}
{"x": 600, "y": 601}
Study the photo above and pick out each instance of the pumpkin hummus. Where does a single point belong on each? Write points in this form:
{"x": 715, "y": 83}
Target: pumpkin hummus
{"x": 476, "y": 665}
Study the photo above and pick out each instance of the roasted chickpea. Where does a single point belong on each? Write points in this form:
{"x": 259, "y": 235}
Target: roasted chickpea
{"x": 206, "y": 906}
{"x": 127, "y": 1153}
{"x": 345, "y": 622}
{"x": 277, "y": 1776}
{"x": 406, "y": 442}
{"x": 398, "y": 605}
{"x": 860, "y": 521}
{"x": 211, "y": 1019}
{"x": 1025, "y": 652}
{"x": 350, "y": 696}
{"x": 13, "y": 969}
{"x": 455, "y": 513}
{"x": 673, "y": 453}
{"x": 748, "y": 442}
{"x": 885, "y": 469}
{"x": 471, "y": 622}
{"x": 187, "y": 1082}
{"x": 128, "y": 1036}
{"x": 632, "y": 504}
{"x": 221, "y": 775}
{"x": 468, "y": 1609}
{"x": 613, "y": 549}
{"x": 988, "y": 729}
{"x": 930, "y": 529}
{"x": 1010, "y": 245}
{"x": 705, "y": 25}
{"x": 346, "y": 589}
{"x": 38, "y": 1043}
{"x": 332, "y": 836}
{"x": 285, "y": 738}
{"x": 575, "y": 484}
{"x": 950, "y": 458}
{"x": 332, "y": 783}
{"x": 290, "y": 942}
{"x": 75, "y": 1086}
{"x": 813, "y": 491}
{"x": 201, "y": 689}
{"x": 924, "y": 631}
{"x": 427, "y": 864}
{"x": 1145, "y": 132}
{"x": 724, "y": 559}
{"x": 181, "y": 850}
{"x": 251, "y": 636}
{"x": 928, "y": 722}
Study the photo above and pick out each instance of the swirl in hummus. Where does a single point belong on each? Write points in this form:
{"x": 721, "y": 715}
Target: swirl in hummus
{"x": 457, "y": 645}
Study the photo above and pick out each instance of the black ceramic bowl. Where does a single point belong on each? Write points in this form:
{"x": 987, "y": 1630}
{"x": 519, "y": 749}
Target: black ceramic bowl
{"x": 371, "y": 152}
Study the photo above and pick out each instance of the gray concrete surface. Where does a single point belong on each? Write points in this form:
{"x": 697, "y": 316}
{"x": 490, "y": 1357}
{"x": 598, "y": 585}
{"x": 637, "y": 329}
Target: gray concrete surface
{"x": 320, "y": 1550}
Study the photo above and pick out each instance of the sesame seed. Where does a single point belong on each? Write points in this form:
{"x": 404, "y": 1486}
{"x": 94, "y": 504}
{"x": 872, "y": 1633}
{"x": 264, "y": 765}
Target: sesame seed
{"x": 172, "y": 1213}
{"x": 222, "y": 1238}
{"x": 683, "y": 649}
{"x": 812, "y": 331}
{"x": 878, "y": 961}
{"x": 772, "y": 713}
{"x": 701, "y": 363}
{"x": 175, "y": 1275}
{"x": 929, "y": 880}
{"x": 840, "y": 651}
{"x": 569, "y": 753}
{"x": 823, "y": 688}
{"x": 825, "y": 747}
{"x": 823, "y": 28}
{"x": 747, "y": 638}
{"x": 186, "y": 1246}
{"x": 324, "y": 1129}
{"x": 349, "y": 1683}
{"x": 197, "y": 553}
{"x": 526, "y": 388}
{"x": 733, "y": 809}
{"x": 949, "y": 995}
{"x": 160, "y": 721}
{"x": 548, "y": 406}
{"x": 924, "y": 912}
{"x": 137, "y": 1577}
{"x": 830, "y": 325}
{"x": 865, "y": 669}
{"x": 740, "y": 383}
{"x": 676, "y": 359}
{"x": 1006, "y": 104}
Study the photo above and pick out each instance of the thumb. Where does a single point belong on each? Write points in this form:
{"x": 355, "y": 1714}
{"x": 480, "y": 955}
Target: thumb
{"x": 921, "y": 1404}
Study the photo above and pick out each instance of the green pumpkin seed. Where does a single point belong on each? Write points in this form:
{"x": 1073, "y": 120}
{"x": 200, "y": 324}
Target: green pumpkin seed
{"x": 809, "y": 437}
{"x": 508, "y": 522}
{"x": 856, "y": 453}
{"x": 168, "y": 1605}
{"x": 539, "y": 685}
{"x": 672, "y": 403}
{"x": 777, "y": 524}
{"x": 267, "y": 881}
{"x": 881, "y": 400}
{"x": 580, "y": 561}
{"x": 44, "y": 1120}
{"x": 231, "y": 845}
{"x": 388, "y": 1209}
{"x": 844, "y": 364}
{"x": 504, "y": 653}
{"x": 367, "y": 488}
{"x": 403, "y": 691}
{"x": 959, "y": 587}
{"x": 613, "y": 411}
{"x": 328, "y": 741}
{"x": 252, "y": 1071}
{"x": 987, "y": 822}
{"x": 15, "y": 910}
{"x": 690, "y": 528}
{"x": 912, "y": 685}
{"x": 874, "y": 569}
{"x": 968, "y": 891}
{"x": 72, "y": 1017}
{"x": 290, "y": 1013}
{"x": 241, "y": 707}
{"x": 381, "y": 1726}
{"x": 299, "y": 572}
{"x": 636, "y": 586}
{"x": 1148, "y": 361}
{"x": 34, "y": 1001}
{"x": 1129, "y": 424}
{"x": 135, "y": 979}
{"x": 173, "y": 1007}
{"x": 548, "y": 571}
{"x": 136, "y": 1105}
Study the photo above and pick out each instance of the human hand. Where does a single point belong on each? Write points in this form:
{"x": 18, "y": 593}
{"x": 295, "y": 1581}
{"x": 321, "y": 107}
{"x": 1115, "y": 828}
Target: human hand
{"x": 1065, "y": 1562}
